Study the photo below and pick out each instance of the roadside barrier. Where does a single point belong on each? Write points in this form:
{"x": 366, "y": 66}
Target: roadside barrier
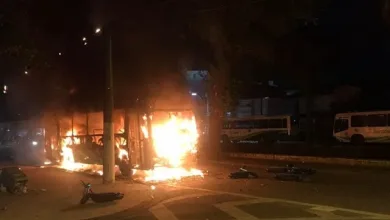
{"x": 309, "y": 159}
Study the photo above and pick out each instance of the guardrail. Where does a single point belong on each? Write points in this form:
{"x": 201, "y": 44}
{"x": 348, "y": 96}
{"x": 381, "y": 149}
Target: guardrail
{"x": 309, "y": 159}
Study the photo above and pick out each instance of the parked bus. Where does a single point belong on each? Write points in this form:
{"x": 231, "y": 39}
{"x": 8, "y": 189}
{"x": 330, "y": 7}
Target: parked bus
{"x": 257, "y": 129}
{"x": 362, "y": 127}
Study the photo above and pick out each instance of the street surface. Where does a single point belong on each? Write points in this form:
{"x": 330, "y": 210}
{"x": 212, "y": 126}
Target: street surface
{"x": 55, "y": 194}
{"x": 332, "y": 193}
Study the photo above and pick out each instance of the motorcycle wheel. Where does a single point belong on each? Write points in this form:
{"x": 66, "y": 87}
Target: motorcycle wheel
{"x": 84, "y": 200}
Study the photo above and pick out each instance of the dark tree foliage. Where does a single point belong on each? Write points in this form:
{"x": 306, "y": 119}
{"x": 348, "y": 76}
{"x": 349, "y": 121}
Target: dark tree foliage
{"x": 33, "y": 49}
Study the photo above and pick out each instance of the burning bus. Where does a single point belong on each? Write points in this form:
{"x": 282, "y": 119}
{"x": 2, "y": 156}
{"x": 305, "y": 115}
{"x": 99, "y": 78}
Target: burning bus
{"x": 74, "y": 141}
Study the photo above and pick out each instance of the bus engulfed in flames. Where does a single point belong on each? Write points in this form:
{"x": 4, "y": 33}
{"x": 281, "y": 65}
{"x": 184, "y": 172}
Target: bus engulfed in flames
{"x": 175, "y": 145}
{"x": 174, "y": 141}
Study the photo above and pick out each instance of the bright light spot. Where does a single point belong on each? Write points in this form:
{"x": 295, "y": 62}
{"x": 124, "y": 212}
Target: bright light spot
{"x": 5, "y": 87}
{"x": 152, "y": 187}
{"x": 59, "y": 54}
{"x": 174, "y": 142}
{"x": 98, "y": 30}
{"x": 194, "y": 94}
{"x": 85, "y": 43}
{"x": 34, "y": 143}
{"x": 84, "y": 38}
{"x": 26, "y": 72}
{"x": 165, "y": 173}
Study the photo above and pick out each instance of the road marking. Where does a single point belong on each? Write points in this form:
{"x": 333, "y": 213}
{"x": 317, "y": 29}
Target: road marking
{"x": 177, "y": 198}
{"x": 370, "y": 215}
{"x": 231, "y": 209}
{"x": 162, "y": 213}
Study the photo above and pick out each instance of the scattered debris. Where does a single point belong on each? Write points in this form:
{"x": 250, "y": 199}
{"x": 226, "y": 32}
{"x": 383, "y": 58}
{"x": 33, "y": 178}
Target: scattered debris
{"x": 291, "y": 172}
{"x": 243, "y": 174}
{"x": 13, "y": 180}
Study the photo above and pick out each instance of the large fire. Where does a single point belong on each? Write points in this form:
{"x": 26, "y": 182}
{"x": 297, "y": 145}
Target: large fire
{"x": 174, "y": 141}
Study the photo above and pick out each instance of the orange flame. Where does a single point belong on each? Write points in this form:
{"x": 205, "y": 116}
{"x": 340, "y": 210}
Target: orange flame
{"x": 173, "y": 141}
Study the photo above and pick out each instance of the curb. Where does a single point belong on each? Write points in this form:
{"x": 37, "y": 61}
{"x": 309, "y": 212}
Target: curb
{"x": 318, "y": 160}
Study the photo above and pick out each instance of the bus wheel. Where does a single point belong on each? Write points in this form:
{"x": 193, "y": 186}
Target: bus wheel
{"x": 357, "y": 139}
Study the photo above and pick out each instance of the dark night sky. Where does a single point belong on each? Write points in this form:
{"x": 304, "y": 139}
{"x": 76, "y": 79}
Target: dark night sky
{"x": 147, "y": 44}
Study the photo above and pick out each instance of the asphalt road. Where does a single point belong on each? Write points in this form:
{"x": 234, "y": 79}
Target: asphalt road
{"x": 332, "y": 193}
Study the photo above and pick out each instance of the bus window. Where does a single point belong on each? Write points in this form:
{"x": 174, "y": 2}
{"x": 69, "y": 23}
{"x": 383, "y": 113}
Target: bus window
{"x": 243, "y": 124}
{"x": 379, "y": 120}
{"x": 275, "y": 123}
{"x": 388, "y": 119}
{"x": 358, "y": 121}
{"x": 284, "y": 122}
{"x": 261, "y": 124}
{"x": 340, "y": 124}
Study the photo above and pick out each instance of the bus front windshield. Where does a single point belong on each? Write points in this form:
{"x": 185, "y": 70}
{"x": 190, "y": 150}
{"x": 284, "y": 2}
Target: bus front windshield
{"x": 340, "y": 124}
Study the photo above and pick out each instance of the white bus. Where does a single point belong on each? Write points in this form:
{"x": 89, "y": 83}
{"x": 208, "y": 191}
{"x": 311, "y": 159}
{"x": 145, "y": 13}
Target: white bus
{"x": 257, "y": 129}
{"x": 362, "y": 127}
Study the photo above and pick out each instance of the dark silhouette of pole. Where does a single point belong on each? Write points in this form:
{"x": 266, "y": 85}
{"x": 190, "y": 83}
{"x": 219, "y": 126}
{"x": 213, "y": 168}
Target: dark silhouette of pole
{"x": 148, "y": 147}
{"x": 108, "y": 127}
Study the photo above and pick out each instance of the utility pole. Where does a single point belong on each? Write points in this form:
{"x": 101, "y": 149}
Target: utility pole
{"x": 148, "y": 149}
{"x": 108, "y": 126}
{"x": 207, "y": 120}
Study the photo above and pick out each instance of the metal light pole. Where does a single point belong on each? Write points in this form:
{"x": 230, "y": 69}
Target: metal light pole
{"x": 207, "y": 119}
{"x": 108, "y": 127}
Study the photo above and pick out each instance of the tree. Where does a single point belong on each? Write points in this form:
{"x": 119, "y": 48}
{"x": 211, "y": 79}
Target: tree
{"x": 248, "y": 29}
{"x": 29, "y": 57}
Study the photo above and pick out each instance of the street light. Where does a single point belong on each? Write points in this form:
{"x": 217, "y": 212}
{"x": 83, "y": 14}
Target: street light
{"x": 5, "y": 89}
{"x": 108, "y": 125}
{"x": 98, "y": 30}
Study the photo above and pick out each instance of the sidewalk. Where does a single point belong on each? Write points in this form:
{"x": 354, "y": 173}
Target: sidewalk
{"x": 368, "y": 151}
{"x": 55, "y": 195}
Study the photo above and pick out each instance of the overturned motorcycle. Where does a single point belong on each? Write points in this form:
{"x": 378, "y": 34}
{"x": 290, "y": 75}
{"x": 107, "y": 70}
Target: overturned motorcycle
{"x": 291, "y": 172}
{"x": 98, "y": 197}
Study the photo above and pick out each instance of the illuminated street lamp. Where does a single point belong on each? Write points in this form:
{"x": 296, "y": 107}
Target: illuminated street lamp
{"x": 108, "y": 125}
{"x": 84, "y": 39}
{"x": 25, "y": 72}
{"x": 5, "y": 89}
{"x": 98, "y": 30}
